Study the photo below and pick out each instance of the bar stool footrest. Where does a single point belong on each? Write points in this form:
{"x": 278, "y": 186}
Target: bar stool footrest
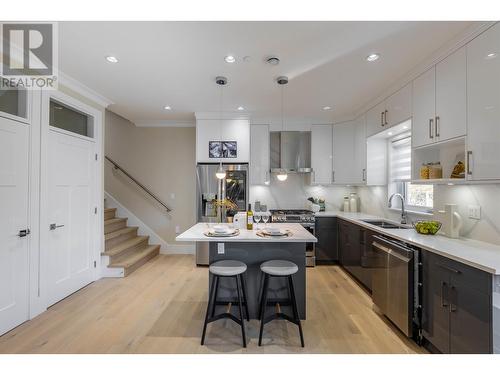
{"x": 280, "y": 316}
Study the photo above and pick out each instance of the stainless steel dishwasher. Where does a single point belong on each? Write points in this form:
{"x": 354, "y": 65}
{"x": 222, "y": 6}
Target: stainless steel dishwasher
{"x": 393, "y": 281}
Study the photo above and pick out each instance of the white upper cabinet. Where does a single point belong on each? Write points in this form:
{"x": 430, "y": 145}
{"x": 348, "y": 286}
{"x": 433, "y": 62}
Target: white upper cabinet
{"x": 483, "y": 105}
{"x": 348, "y": 166}
{"x": 375, "y": 119}
{"x": 451, "y": 97}
{"x": 392, "y": 111}
{"x": 424, "y": 108}
{"x": 321, "y": 154}
{"x": 439, "y": 101}
{"x": 398, "y": 107}
{"x": 360, "y": 148}
{"x": 259, "y": 154}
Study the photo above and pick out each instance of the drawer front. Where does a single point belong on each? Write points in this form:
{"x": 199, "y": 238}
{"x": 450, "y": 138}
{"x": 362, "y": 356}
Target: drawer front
{"x": 475, "y": 278}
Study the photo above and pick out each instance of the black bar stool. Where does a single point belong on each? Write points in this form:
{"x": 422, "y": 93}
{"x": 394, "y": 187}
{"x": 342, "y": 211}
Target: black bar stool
{"x": 279, "y": 268}
{"x": 227, "y": 268}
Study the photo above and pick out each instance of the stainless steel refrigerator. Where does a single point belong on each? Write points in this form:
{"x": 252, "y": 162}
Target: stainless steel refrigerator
{"x": 210, "y": 190}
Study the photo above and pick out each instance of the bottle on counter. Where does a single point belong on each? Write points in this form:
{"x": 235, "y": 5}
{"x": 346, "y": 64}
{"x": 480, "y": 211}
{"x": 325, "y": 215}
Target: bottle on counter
{"x": 346, "y": 204}
{"x": 250, "y": 217}
{"x": 353, "y": 202}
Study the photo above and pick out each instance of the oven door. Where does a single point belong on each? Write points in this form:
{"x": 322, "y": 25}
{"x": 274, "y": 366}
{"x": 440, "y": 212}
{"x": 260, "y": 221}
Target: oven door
{"x": 310, "y": 246}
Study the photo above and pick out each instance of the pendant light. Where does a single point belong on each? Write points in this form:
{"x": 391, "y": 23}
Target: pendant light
{"x": 221, "y": 81}
{"x": 282, "y": 81}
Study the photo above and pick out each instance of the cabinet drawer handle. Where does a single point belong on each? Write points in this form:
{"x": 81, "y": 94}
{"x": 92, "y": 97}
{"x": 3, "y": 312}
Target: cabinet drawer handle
{"x": 469, "y": 170}
{"x": 443, "y": 302}
{"x": 431, "y": 121}
{"x": 449, "y": 269}
{"x": 385, "y": 117}
{"x": 381, "y": 118}
{"x": 364, "y": 174}
{"x": 437, "y": 126}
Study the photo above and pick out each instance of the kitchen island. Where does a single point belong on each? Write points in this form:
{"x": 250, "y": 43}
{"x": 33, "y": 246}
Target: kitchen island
{"x": 253, "y": 250}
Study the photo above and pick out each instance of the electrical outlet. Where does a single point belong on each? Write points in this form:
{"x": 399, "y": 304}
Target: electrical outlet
{"x": 474, "y": 212}
{"x": 177, "y": 229}
{"x": 220, "y": 248}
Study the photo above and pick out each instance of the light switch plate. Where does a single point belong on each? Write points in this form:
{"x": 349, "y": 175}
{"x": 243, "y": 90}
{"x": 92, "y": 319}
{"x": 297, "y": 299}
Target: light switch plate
{"x": 475, "y": 212}
{"x": 177, "y": 229}
{"x": 220, "y": 248}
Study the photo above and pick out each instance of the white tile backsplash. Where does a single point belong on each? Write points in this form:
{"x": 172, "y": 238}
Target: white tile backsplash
{"x": 293, "y": 193}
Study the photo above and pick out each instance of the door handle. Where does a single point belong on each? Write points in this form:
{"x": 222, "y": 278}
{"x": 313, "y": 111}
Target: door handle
{"x": 469, "y": 171}
{"x": 431, "y": 121}
{"x": 437, "y": 126}
{"x": 364, "y": 174}
{"x": 55, "y": 226}
{"x": 443, "y": 286}
{"x": 24, "y": 232}
{"x": 453, "y": 308}
{"x": 382, "y": 118}
{"x": 385, "y": 117}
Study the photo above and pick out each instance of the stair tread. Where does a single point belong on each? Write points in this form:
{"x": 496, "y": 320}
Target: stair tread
{"x": 114, "y": 220}
{"x": 119, "y": 232}
{"x": 122, "y": 246}
{"x": 109, "y": 209}
{"x": 130, "y": 259}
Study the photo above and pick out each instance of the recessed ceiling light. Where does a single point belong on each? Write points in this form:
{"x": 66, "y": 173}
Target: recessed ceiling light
{"x": 111, "y": 59}
{"x": 372, "y": 57}
{"x": 491, "y": 55}
{"x": 327, "y": 108}
{"x": 240, "y": 108}
{"x": 168, "y": 108}
{"x": 229, "y": 59}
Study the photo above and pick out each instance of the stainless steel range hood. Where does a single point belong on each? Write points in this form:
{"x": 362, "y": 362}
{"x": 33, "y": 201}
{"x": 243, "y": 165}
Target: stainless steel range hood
{"x": 291, "y": 151}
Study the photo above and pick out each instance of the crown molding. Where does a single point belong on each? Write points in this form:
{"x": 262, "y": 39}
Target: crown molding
{"x": 166, "y": 124}
{"x": 225, "y": 116}
{"x": 75, "y": 85}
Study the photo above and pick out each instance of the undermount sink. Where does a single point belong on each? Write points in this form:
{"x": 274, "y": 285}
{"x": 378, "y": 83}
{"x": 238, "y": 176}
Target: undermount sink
{"x": 385, "y": 224}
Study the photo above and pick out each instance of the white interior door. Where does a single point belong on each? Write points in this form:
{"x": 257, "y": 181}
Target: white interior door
{"x": 72, "y": 220}
{"x": 14, "y": 271}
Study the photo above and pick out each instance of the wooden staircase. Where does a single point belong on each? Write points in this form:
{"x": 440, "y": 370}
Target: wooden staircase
{"x": 124, "y": 249}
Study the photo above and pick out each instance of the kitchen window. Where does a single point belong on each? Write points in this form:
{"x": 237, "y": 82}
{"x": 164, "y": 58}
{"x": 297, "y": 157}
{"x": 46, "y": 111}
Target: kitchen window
{"x": 417, "y": 197}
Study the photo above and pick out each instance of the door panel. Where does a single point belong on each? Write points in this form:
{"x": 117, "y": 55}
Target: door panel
{"x": 14, "y": 272}
{"x": 374, "y": 117}
{"x": 72, "y": 177}
{"x": 424, "y": 108}
{"x": 398, "y": 106}
{"x": 470, "y": 319}
{"x": 436, "y": 316}
{"x": 321, "y": 154}
{"x": 344, "y": 158}
{"x": 483, "y": 105}
{"x": 326, "y": 247}
{"x": 451, "y": 99}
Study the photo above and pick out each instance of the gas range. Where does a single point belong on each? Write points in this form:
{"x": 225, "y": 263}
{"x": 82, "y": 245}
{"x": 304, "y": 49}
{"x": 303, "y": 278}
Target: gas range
{"x": 304, "y": 217}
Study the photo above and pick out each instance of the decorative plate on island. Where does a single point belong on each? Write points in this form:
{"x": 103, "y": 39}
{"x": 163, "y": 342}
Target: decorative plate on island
{"x": 231, "y": 232}
{"x": 269, "y": 233}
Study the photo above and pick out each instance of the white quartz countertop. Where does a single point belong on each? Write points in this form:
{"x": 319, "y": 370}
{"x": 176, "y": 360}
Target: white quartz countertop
{"x": 196, "y": 234}
{"x": 478, "y": 254}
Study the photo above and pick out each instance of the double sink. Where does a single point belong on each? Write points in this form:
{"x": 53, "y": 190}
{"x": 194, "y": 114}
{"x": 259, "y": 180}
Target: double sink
{"x": 385, "y": 224}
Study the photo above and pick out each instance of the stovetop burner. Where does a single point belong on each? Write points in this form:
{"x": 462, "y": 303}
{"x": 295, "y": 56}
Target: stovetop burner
{"x": 292, "y": 216}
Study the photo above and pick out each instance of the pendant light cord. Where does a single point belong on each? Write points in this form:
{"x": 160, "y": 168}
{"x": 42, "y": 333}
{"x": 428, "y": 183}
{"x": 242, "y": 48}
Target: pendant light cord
{"x": 220, "y": 122}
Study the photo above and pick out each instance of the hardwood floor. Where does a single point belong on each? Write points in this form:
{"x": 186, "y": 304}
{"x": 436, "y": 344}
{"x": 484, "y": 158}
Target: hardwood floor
{"x": 160, "y": 309}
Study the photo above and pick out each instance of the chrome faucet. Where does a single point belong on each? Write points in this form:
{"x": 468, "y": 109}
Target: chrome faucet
{"x": 403, "y": 211}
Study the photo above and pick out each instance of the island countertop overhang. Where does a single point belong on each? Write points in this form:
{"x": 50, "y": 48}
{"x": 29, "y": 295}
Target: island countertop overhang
{"x": 196, "y": 234}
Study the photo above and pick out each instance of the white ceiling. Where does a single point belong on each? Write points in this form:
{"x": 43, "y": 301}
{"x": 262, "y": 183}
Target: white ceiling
{"x": 175, "y": 64}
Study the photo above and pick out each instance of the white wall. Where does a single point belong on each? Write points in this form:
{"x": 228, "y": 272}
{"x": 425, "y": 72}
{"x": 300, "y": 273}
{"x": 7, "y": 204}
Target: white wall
{"x": 226, "y": 130}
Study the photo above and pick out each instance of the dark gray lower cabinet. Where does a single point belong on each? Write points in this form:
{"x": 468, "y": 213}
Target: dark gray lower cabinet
{"x": 456, "y": 306}
{"x": 327, "y": 251}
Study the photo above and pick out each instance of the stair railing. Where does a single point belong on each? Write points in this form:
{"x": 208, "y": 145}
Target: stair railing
{"x": 117, "y": 166}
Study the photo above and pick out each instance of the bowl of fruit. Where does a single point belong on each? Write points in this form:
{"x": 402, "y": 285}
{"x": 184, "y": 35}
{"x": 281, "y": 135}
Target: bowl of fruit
{"x": 427, "y": 226}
